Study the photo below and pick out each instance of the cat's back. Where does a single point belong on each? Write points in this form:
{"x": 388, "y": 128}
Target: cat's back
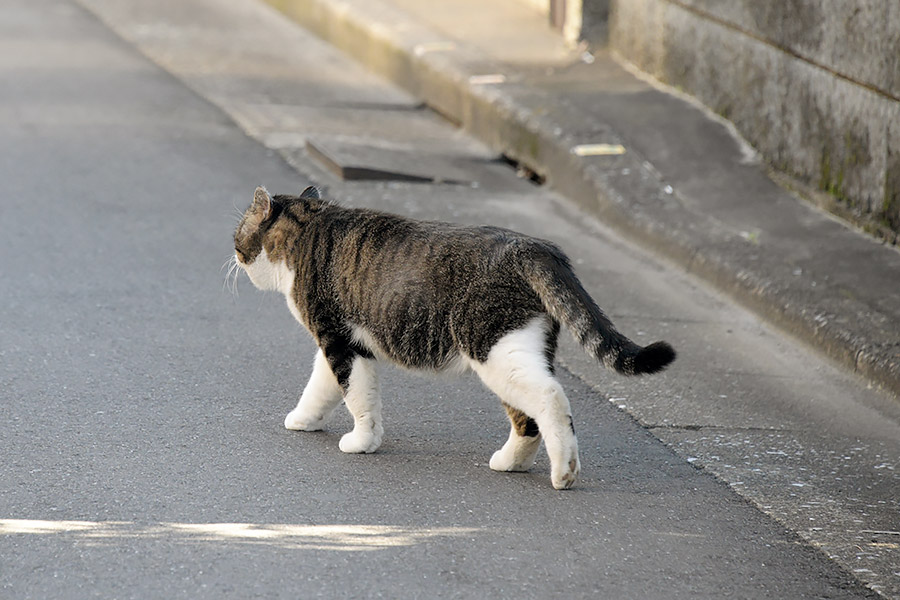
{"x": 421, "y": 266}
{"x": 378, "y": 234}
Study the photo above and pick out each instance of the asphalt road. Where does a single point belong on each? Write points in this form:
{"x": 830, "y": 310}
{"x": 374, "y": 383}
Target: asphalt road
{"x": 141, "y": 402}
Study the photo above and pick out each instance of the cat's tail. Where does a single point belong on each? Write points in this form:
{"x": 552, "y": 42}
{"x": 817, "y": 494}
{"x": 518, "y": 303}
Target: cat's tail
{"x": 550, "y": 275}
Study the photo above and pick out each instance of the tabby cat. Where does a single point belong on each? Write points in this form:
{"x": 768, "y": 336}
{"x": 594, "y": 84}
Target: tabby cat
{"x": 432, "y": 296}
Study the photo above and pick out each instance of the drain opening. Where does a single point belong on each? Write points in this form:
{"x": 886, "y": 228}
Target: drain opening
{"x": 523, "y": 171}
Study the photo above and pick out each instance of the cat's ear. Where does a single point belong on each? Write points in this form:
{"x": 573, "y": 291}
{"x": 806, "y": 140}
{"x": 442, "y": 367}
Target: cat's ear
{"x": 262, "y": 203}
{"x": 311, "y": 192}
{"x": 258, "y": 212}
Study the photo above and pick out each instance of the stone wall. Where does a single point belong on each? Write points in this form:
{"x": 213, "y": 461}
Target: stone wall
{"x": 814, "y": 85}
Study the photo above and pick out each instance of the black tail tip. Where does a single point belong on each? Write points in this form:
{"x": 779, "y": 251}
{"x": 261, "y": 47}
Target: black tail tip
{"x": 653, "y": 358}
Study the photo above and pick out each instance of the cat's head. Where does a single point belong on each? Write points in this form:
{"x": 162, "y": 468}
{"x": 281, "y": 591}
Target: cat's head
{"x": 258, "y": 239}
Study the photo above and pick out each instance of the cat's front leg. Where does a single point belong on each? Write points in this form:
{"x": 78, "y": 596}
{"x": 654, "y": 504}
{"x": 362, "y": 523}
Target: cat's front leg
{"x": 363, "y": 399}
{"x": 318, "y": 400}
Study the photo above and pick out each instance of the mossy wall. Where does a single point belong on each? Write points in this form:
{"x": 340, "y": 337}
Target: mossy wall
{"x": 814, "y": 86}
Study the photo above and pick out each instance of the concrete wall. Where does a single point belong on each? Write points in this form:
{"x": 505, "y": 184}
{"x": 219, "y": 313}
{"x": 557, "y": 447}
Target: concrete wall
{"x": 814, "y": 85}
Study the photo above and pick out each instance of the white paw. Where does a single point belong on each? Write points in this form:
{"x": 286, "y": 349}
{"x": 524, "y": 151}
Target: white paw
{"x": 300, "y": 420}
{"x": 361, "y": 441}
{"x": 503, "y": 460}
{"x": 563, "y": 476}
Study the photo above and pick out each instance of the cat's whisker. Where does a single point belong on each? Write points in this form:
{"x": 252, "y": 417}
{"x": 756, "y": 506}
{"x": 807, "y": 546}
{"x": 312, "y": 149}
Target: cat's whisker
{"x": 236, "y": 272}
{"x": 228, "y": 263}
{"x": 232, "y": 275}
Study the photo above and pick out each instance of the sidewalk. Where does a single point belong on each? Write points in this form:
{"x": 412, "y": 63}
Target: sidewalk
{"x": 655, "y": 166}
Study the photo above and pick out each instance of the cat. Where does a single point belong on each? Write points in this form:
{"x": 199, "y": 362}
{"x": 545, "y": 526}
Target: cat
{"x": 430, "y": 296}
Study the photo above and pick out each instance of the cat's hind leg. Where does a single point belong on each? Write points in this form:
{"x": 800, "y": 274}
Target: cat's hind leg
{"x": 518, "y": 453}
{"x": 363, "y": 399}
{"x": 517, "y": 370}
{"x": 318, "y": 400}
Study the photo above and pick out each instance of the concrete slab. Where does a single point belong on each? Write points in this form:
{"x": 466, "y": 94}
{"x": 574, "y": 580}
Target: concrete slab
{"x": 356, "y": 160}
{"x": 826, "y": 501}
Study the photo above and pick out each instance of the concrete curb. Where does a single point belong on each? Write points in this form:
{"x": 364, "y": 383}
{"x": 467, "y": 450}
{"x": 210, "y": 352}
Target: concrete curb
{"x": 517, "y": 120}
